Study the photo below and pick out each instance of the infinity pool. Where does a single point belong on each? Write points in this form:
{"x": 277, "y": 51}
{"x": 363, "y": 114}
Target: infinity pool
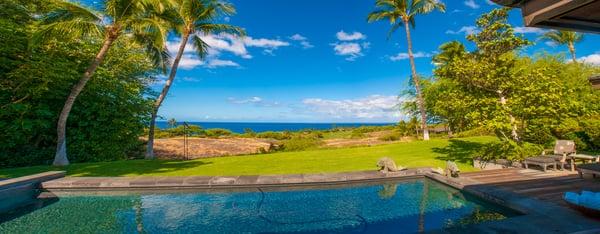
{"x": 393, "y": 207}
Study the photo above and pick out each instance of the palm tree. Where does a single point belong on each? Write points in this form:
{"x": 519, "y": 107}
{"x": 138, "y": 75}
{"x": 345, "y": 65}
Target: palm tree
{"x": 402, "y": 13}
{"x": 448, "y": 52}
{"x": 172, "y": 123}
{"x": 191, "y": 17}
{"x": 134, "y": 18}
{"x": 567, "y": 38}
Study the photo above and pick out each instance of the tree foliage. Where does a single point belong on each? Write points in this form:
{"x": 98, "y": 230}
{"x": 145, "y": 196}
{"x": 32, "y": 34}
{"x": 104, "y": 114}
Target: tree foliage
{"x": 520, "y": 98}
{"x": 106, "y": 120}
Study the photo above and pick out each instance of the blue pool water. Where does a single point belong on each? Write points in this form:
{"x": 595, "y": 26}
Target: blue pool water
{"x": 395, "y": 207}
{"x": 263, "y": 127}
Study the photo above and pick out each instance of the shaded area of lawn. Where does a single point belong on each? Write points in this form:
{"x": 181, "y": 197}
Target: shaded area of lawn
{"x": 431, "y": 153}
{"x": 459, "y": 150}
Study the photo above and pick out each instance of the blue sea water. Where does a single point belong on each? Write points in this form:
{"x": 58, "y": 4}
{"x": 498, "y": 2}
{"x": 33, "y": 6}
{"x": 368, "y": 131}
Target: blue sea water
{"x": 238, "y": 127}
{"x": 411, "y": 206}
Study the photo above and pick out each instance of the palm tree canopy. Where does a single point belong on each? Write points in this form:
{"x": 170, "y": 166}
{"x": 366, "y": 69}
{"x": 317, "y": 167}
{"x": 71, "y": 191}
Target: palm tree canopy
{"x": 563, "y": 37}
{"x": 137, "y": 18}
{"x": 194, "y": 17}
{"x": 399, "y": 11}
{"x": 449, "y": 51}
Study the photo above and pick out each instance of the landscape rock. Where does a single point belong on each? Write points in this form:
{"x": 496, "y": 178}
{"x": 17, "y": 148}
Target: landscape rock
{"x": 386, "y": 165}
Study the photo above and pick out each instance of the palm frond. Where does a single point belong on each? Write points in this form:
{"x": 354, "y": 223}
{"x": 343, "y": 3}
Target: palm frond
{"x": 393, "y": 29}
{"x": 562, "y": 37}
{"x": 69, "y": 11}
{"x": 200, "y": 46}
{"x": 208, "y": 28}
{"x": 71, "y": 29}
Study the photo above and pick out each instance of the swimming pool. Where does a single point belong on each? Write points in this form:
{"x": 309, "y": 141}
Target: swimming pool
{"x": 407, "y": 206}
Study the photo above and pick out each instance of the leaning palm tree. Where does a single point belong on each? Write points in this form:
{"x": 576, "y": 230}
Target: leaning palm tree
{"x": 567, "y": 38}
{"x": 402, "y": 13}
{"x": 192, "y": 17}
{"x": 134, "y": 18}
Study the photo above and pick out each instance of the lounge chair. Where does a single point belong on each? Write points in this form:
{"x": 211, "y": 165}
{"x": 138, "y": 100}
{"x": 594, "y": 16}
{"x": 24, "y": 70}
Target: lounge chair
{"x": 589, "y": 168}
{"x": 562, "y": 150}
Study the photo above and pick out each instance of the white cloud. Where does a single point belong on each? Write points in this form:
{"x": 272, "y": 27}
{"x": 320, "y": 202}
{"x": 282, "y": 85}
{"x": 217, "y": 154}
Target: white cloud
{"x": 371, "y": 107}
{"x": 298, "y": 37}
{"x": 225, "y": 42}
{"x": 472, "y": 4}
{"x": 190, "y": 79}
{"x": 591, "y": 59}
{"x": 529, "y": 30}
{"x": 264, "y": 43}
{"x": 551, "y": 43}
{"x": 302, "y": 40}
{"x": 464, "y": 29}
{"x": 343, "y": 36}
{"x": 403, "y": 56}
{"x": 220, "y": 43}
{"x": 350, "y": 50}
{"x": 214, "y": 63}
{"x": 245, "y": 101}
{"x": 489, "y": 2}
{"x": 189, "y": 61}
{"x": 348, "y": 45}
{"x": 256, "y": 101}
{"x": 306, "y": 45}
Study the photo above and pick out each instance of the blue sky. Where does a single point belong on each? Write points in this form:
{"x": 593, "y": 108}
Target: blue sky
{"x": 320, "y": 61}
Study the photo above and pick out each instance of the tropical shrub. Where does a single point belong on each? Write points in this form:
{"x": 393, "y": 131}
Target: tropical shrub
{"x": 217, "y": 132}
{"x": 392, "y": 136}
{"x": 301, "y": 143}
{"x": 508, "y": 149}
{"x": 357, "y": 134}
{"x": 274, "y": 135}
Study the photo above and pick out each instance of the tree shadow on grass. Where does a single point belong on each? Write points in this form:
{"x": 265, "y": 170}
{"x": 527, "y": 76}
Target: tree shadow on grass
{"x": 133, "y": 167}
{"x": 116, "y": 168}
{"x": 458, "y": 151}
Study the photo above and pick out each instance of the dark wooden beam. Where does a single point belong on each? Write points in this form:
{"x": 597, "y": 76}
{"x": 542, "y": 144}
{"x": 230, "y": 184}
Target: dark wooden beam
{"x": 578, "y": 15}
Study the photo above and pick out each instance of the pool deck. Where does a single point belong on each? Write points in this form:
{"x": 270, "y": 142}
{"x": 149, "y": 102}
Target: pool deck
{"x": 549, "y": 186}
{"x": 536, "y": 194}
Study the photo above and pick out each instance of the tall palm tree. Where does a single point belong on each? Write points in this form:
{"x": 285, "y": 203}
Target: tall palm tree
{"x": 191, "y": 17}
{"x": 402, "y": 13}
{"x": 567, "y": 38}
{"x": 449, "y": 51}
{"x": 134, "y": 18}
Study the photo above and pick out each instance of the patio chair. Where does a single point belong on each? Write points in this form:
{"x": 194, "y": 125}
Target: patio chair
{"x": 589, "y": 168}
{"x": 562, "y": 149}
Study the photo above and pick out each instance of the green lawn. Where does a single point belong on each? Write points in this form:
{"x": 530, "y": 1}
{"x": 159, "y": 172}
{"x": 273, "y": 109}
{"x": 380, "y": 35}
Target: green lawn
{"x": 431, "y": 153}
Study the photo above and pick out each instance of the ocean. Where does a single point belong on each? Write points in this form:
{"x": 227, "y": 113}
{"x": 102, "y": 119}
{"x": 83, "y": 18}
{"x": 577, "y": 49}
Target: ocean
{"x": 239, "y": 127}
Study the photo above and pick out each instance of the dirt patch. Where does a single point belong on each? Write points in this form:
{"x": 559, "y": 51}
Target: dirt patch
{"x": 173, "y": 148}
{"x": 370, "y": 139}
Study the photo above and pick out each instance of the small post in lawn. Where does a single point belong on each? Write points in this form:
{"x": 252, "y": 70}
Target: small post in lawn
{"x": 185, "y": 140}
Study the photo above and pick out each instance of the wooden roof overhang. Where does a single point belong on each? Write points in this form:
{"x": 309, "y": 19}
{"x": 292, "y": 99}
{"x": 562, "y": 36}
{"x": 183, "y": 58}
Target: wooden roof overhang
{"x": 578, "y": 15}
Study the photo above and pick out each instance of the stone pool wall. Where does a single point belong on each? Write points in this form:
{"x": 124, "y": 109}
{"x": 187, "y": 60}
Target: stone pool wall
{"x": 18, "y": 191}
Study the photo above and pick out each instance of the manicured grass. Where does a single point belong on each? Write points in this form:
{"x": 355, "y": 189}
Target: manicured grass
{"x": 431, "y": 153}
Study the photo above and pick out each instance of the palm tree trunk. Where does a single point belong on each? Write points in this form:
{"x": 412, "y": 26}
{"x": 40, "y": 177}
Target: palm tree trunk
{"x": 420, "y": 100}
{"x": 60, "y": 159}
{"x": 163, "y": 94}
{"x": 572, "y": 50}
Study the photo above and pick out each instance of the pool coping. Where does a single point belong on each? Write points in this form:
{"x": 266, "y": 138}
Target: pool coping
{"x": 538, "y": 216}
{"x": 154, "y": 183}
